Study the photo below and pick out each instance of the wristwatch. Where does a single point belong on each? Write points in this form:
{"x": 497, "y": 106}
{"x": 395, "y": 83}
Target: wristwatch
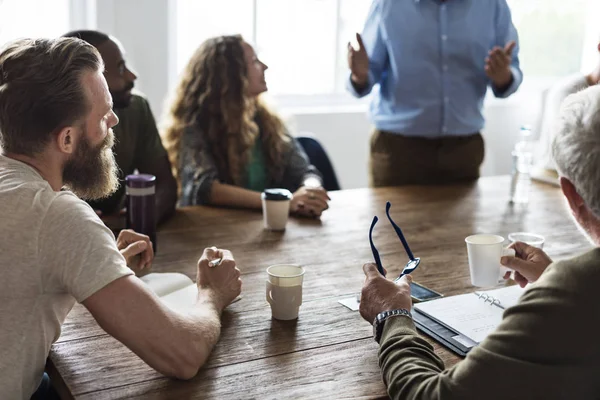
{"x": 383, "y": 316}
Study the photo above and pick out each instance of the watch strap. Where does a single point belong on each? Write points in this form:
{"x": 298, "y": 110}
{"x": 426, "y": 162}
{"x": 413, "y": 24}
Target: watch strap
{"x": 384, "y": 316}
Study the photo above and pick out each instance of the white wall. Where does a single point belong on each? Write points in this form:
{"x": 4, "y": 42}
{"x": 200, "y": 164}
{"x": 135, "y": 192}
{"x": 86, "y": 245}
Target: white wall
{"x": 145, "y": 32}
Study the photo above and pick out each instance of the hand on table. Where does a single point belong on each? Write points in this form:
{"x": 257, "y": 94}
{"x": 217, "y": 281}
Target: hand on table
{"x": 497, "y": 65}
{"x": 221, "y": 283}
{"x": 529, "y": 263}
{"x": 309, "y": 201}
{"x": 380, "y": 294}
{"x": 132, "y": 244}
{"x": 358, "y": 62}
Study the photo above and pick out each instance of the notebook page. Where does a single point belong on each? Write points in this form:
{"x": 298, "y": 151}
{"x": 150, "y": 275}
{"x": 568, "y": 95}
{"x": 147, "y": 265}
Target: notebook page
{"x": 164, "y": 283}
{"x": 465, "y": 314}
{"x": 506, "y": 296}
{"x": 182, "y": 299}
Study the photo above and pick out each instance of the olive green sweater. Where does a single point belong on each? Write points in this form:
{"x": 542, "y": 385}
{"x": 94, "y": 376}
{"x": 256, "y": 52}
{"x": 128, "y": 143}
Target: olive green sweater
{"x": 547, "y": 346}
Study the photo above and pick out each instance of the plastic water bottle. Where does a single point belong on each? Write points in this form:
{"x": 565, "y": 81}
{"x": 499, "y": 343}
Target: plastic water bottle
{"x": 522, "y": 156}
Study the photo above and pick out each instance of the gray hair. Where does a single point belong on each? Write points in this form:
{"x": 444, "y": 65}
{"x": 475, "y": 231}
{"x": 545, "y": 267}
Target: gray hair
{"x": 576, "y": 145}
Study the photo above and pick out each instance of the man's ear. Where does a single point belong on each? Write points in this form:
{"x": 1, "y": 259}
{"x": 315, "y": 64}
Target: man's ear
{"x": 575, "y": 200}
{"x": 65, "y": 140}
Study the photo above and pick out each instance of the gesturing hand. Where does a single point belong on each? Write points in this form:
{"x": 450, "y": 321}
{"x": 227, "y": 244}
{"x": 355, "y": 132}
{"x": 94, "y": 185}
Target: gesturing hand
{"x": 358, "y": 62}
{"x": 497, "y": 65}
{"x": 131, "y": 243}
{"x": 528, "y": 264}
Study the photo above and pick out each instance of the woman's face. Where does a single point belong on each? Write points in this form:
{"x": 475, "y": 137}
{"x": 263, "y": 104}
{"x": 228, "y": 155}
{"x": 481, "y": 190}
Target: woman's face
{"x": 256, "y": 71}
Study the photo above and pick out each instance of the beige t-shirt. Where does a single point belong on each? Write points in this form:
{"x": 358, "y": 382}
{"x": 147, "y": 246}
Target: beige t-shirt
{"x": 54, "y": 250}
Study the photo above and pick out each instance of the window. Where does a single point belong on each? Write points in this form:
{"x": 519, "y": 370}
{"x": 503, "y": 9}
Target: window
{"x": 557, "y": 37}
{"x": 302, "y": 41}
{"x": 33, "y": 18}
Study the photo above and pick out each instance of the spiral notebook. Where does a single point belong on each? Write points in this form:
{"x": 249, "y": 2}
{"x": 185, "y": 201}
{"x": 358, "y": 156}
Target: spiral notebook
{"x": 463, "y": 321}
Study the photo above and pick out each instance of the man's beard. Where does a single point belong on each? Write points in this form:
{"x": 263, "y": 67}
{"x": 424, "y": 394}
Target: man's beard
{"x": 91, "y": 173}
{"x": 122, "y": 99}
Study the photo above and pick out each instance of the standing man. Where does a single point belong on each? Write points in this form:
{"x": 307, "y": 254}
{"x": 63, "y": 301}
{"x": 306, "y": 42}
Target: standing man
{"x": 433, "y": 61}
{"x": 138, "y": 145}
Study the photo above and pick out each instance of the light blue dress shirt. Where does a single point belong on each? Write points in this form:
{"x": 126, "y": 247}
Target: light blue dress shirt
{"x": 428, "y": 59}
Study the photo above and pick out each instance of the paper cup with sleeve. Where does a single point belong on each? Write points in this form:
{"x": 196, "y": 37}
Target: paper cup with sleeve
{"x": 284, "y": 290}
{"x": 276, "y": 208}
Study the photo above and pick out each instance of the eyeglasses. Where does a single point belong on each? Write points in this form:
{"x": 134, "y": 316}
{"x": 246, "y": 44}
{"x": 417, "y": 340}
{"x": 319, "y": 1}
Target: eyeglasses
{"x": 413, "y": 262}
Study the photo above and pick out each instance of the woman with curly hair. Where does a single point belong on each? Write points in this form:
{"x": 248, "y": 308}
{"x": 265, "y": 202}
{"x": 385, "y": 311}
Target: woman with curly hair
{"x": 225, "y": 145}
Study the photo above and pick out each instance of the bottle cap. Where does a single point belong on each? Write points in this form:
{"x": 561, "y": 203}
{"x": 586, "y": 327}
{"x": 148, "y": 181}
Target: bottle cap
{"x": 276, "y": 194}
{"x": 140, "y": 180}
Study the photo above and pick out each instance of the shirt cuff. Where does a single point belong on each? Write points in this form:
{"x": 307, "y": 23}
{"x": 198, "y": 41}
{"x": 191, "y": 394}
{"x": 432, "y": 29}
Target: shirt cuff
{"x": 517, "y": 78}
{"x": 362, "y": 93}
{"x": 397, "y": 325}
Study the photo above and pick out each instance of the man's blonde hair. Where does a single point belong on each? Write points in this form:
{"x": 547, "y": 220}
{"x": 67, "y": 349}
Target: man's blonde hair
{"x": 41, "y": 90}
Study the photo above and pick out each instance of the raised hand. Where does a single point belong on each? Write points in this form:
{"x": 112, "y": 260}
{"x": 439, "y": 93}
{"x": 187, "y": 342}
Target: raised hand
{"x": 497, "y": 65}
{"x": 358, "y": 62}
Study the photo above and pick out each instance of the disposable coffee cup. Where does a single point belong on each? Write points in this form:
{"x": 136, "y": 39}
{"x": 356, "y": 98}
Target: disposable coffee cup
{"x": 484, "y": 253}
{"x": 532, "y": 239}
{"x": 284, "y": 290}
{"x": 276, "y": 208}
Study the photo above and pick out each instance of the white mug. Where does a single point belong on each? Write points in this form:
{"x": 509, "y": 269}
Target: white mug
{"x": 284, "y": 290}
{"x": 484, "y": 253}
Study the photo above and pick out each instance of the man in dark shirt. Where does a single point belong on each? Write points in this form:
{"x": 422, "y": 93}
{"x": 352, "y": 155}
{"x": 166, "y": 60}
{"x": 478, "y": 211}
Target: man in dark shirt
{"x": 137, "y": 142}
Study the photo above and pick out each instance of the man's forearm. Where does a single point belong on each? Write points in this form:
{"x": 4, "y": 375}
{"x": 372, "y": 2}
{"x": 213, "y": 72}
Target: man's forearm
{"x": 407, "y": 361}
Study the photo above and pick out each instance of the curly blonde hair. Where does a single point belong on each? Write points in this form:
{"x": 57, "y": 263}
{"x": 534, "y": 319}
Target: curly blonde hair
{"x": 212, "y": 96}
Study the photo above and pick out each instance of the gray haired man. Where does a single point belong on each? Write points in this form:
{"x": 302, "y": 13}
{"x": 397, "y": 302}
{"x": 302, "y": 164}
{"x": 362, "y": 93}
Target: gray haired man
{"x": 547, "y": 345}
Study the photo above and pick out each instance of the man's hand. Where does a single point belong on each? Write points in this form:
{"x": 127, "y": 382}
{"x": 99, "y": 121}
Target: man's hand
{"x": 380, "y": 294}
{"x": 528, "y": 264}
{"x": 131, "y": 244}
{"x": 497, "y": 65}
{"x": 309, "y": 201}
{"x": 220, "y": 284}
{"x": 358, "y": 62}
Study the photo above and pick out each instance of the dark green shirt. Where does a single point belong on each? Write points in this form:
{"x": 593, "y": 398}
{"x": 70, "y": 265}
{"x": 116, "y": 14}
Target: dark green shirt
{"x": 137, "y": 146}
{"x": 256, "y": 172}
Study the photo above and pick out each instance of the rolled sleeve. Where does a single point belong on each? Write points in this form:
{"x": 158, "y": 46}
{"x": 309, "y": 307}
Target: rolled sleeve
{"x": 197, "y": 168}
{"x": 505, "y": 32}
{"x": 375, "y": 45}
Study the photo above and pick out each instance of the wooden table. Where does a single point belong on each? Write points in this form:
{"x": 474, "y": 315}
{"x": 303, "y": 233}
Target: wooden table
{"x": 328, "y": 352}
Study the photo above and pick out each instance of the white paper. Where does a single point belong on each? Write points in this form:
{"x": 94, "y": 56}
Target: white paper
{"x": 350, "y": 302}
{"x": 176, "y": 290}
{"x": 468, "y": 314}
{"x": 168, "y": 282}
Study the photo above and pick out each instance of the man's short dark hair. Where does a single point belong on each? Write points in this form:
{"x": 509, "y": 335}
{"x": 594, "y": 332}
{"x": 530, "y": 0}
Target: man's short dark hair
{"x": 41, "y": 91}
{"x": 95, "y": 38}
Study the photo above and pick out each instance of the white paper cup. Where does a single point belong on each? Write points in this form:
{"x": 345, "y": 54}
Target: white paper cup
{"x": 484, "y": 253}
{"x": 284, "y": 290}
{"x": 531, "y": 239}
{"x": 276, "y": 208}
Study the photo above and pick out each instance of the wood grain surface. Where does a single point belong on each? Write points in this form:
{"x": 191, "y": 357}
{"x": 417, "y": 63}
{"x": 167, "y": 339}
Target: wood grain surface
{"x": 328, "y": 352}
